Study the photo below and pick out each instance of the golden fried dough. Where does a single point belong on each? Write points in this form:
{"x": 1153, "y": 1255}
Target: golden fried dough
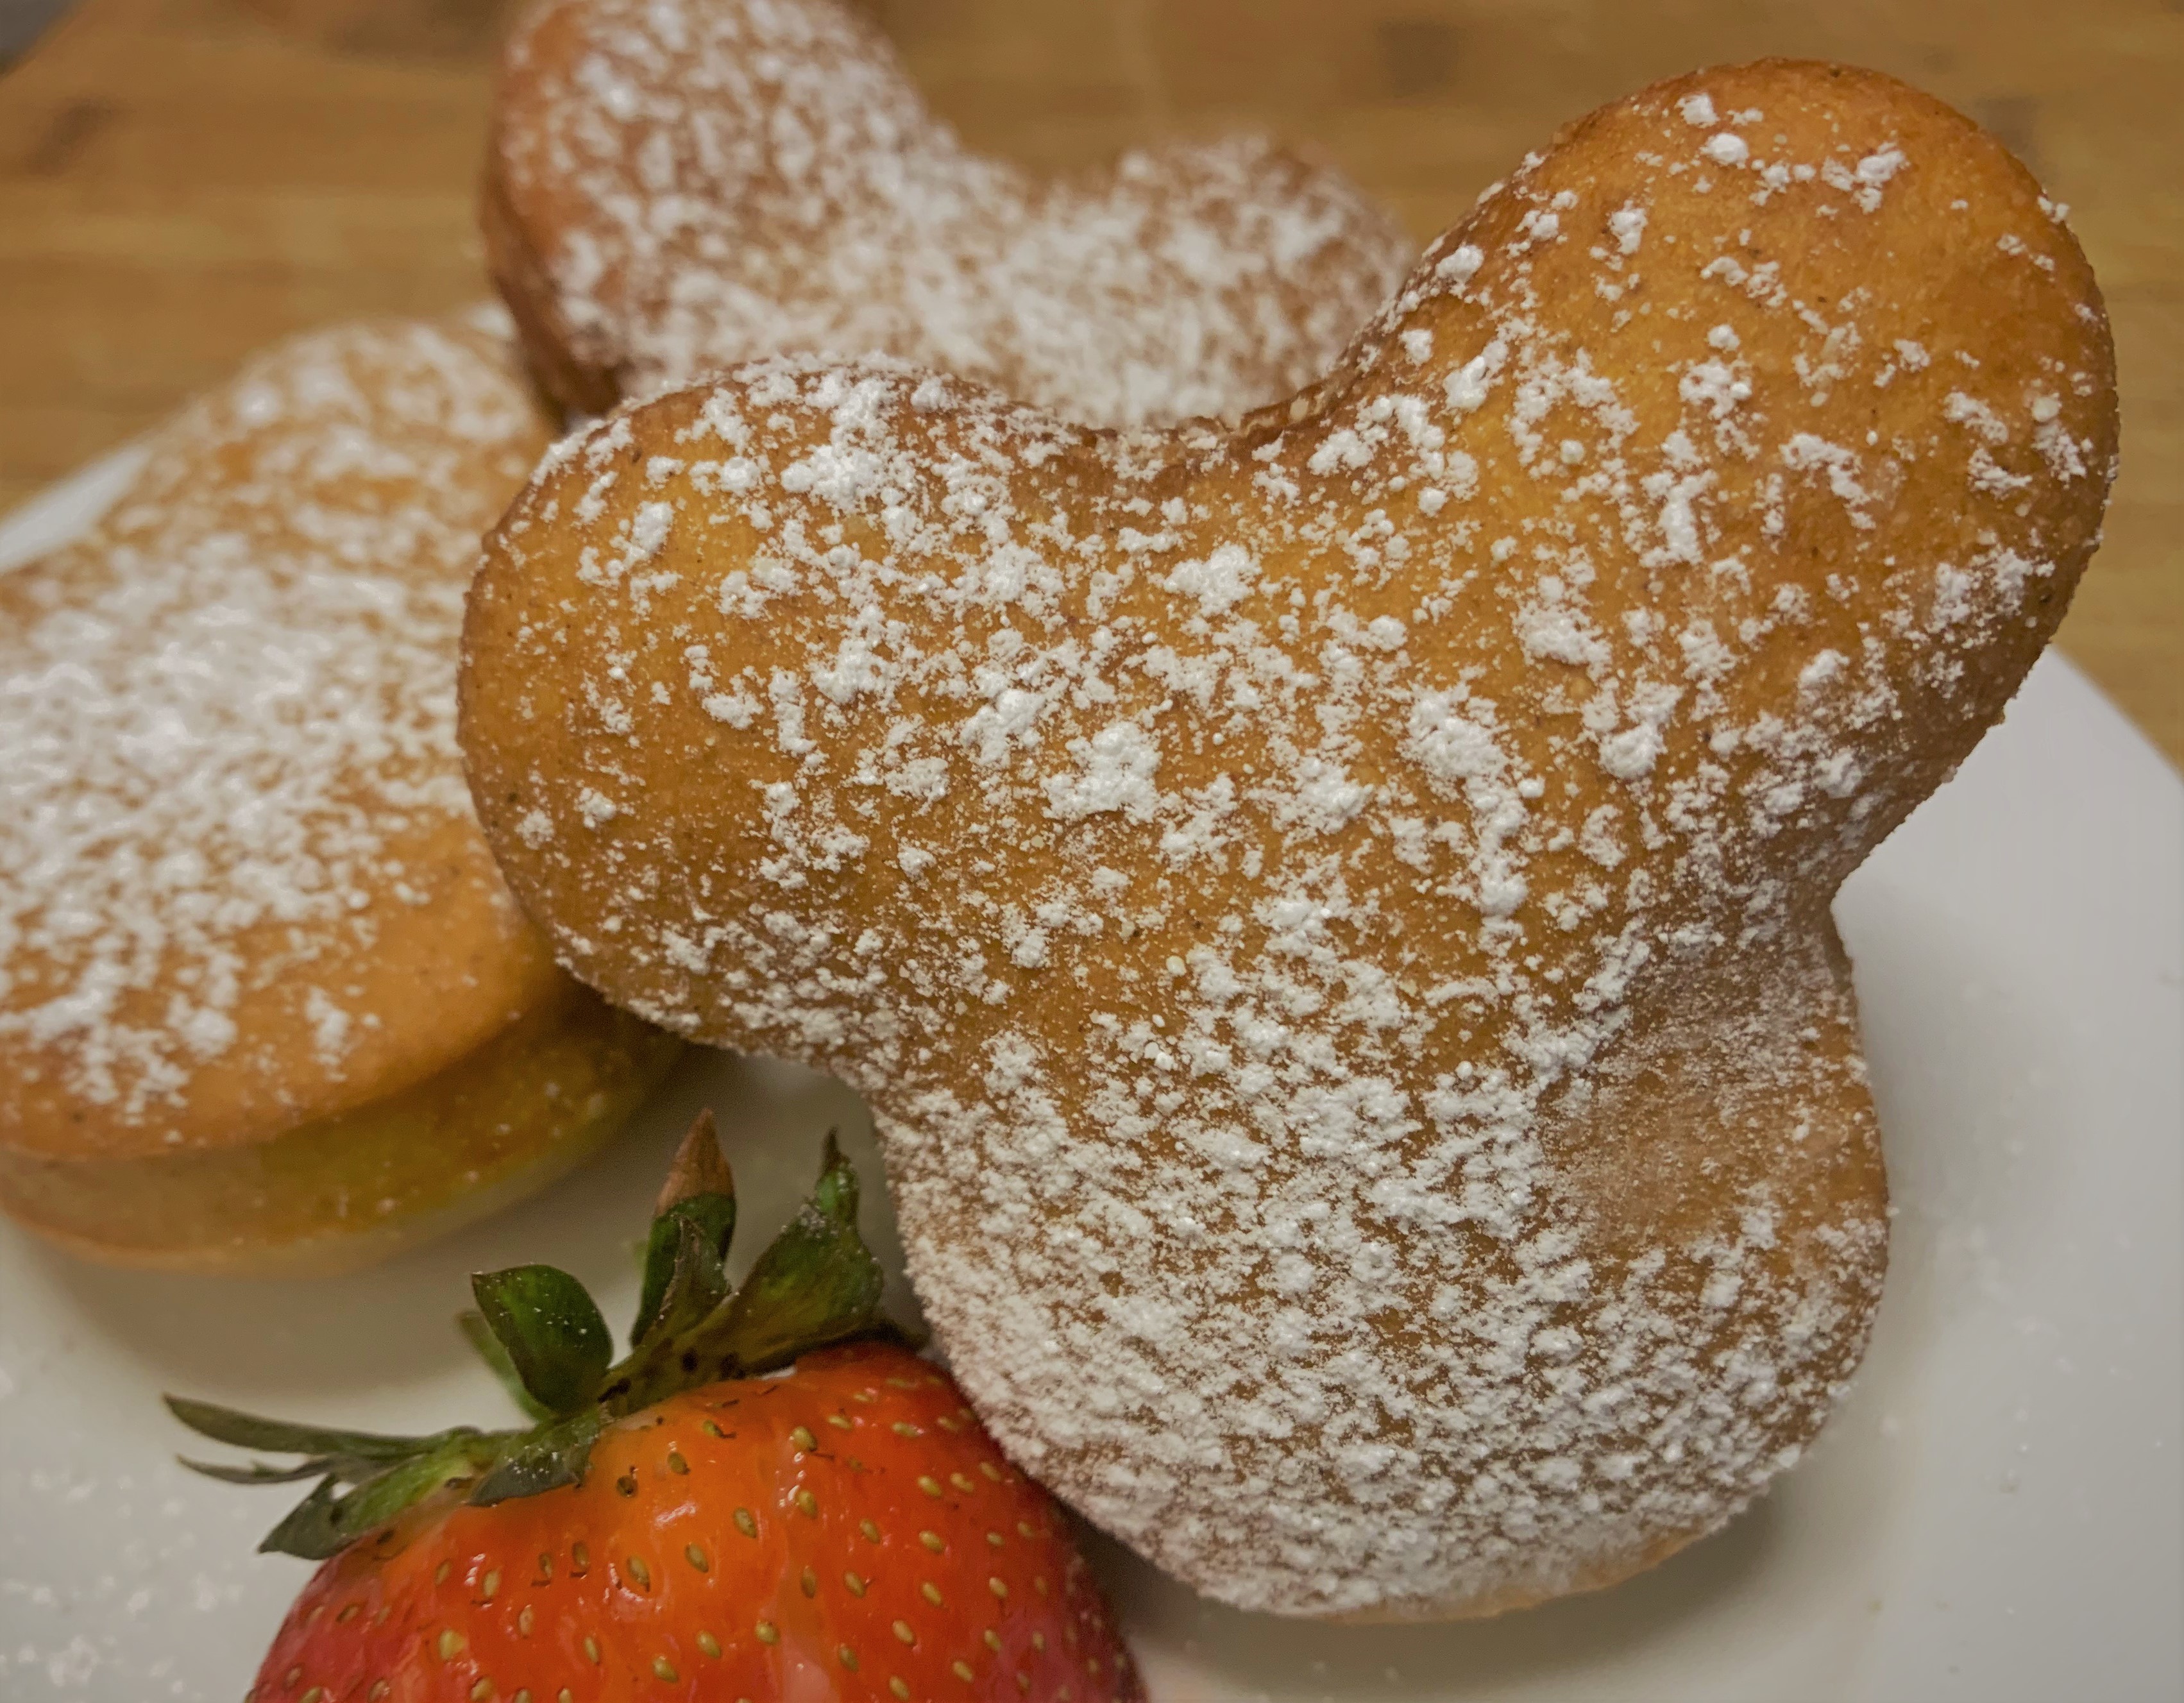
{"x": 339, "y": 1192}
{"x": 244, "y": 906}
{"x": 674, "y": 185}
{"x": 1332, "y": 917}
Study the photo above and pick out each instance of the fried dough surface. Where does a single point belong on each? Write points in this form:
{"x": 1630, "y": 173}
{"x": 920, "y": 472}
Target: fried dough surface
{"x": 243, "y": 893}
{"x": 675, "y": 185}
{"x": 1332, "y": 917}
{"x": 338, "y": 1194}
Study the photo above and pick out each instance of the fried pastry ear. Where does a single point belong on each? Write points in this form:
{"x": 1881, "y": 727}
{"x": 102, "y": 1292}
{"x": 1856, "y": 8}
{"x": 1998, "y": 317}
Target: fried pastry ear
{"x": 1332, "y": 917}
{"x": 264, "y": 1002}
{"x": 674, "y": 185}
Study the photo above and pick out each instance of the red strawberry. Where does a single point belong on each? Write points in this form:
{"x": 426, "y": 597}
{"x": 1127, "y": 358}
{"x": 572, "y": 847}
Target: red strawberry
{"x": 841, "y": 1530}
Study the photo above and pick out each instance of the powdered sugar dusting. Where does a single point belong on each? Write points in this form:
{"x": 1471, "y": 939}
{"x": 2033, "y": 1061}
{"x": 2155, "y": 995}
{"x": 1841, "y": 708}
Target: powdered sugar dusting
{"x": 1331, "y": 920}
{"x": 717, "y": 180}
{"x": 219, "y": 711}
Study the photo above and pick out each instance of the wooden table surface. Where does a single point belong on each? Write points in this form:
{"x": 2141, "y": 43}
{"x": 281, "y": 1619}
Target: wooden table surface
{"x": 182, "y": 181}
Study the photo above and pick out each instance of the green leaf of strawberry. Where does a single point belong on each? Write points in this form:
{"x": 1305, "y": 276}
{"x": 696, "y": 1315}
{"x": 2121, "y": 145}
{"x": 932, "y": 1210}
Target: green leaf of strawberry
{"x": 817, "y": 1283}
{"x": 326, "y": 1522}
{"x": 479, "y": 1335}
{"x": 549, "y": 1457}
{"x": 386, "y": 1473}
{"x": 282, "y": 1437}
{"x": 551, "y": 1330}
{"x": 685, "y": 1527}
{"x": 258, "y": 1472}
{"x": 686, "y": 1255}
{"x": 683, "y": 1258}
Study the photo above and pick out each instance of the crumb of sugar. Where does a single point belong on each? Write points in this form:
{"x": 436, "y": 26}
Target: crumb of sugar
{"x": 765, "y": 177}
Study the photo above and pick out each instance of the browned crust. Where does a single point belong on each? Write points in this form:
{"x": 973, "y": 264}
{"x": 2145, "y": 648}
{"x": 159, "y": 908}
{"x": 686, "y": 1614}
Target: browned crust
{"x": 1664, "y": 1145}
{"x": 346, "y": 1191}
{"x": 588, "y": 373}
{"x": 576, "y": 386}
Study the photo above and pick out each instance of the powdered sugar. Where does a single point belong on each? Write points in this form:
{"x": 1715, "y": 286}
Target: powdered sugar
{"x": 219, "y": 712}
{"x": 710, "y": 180}
{"x": 1343, "y": 977}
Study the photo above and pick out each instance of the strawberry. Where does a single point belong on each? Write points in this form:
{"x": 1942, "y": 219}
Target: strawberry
{"x": 769, "y": 1498}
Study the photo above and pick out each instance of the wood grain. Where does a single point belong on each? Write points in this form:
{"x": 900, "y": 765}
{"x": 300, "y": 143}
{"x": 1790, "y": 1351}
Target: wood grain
{"x": 182, "y": 181}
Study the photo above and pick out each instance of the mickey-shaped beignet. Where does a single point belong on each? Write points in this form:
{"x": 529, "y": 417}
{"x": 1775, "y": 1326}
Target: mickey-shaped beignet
{"x": 1332, "y": 919}
{"x": 675, "y": 185}
{"x": 263, "y": 1000}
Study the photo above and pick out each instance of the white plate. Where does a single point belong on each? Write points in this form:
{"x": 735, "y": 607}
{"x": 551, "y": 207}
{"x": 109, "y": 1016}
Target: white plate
{"x": 1994, "y": 1514}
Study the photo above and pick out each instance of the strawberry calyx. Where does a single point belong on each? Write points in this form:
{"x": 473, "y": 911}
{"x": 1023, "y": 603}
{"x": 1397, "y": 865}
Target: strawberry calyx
{"x": 815, "y": 1284}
